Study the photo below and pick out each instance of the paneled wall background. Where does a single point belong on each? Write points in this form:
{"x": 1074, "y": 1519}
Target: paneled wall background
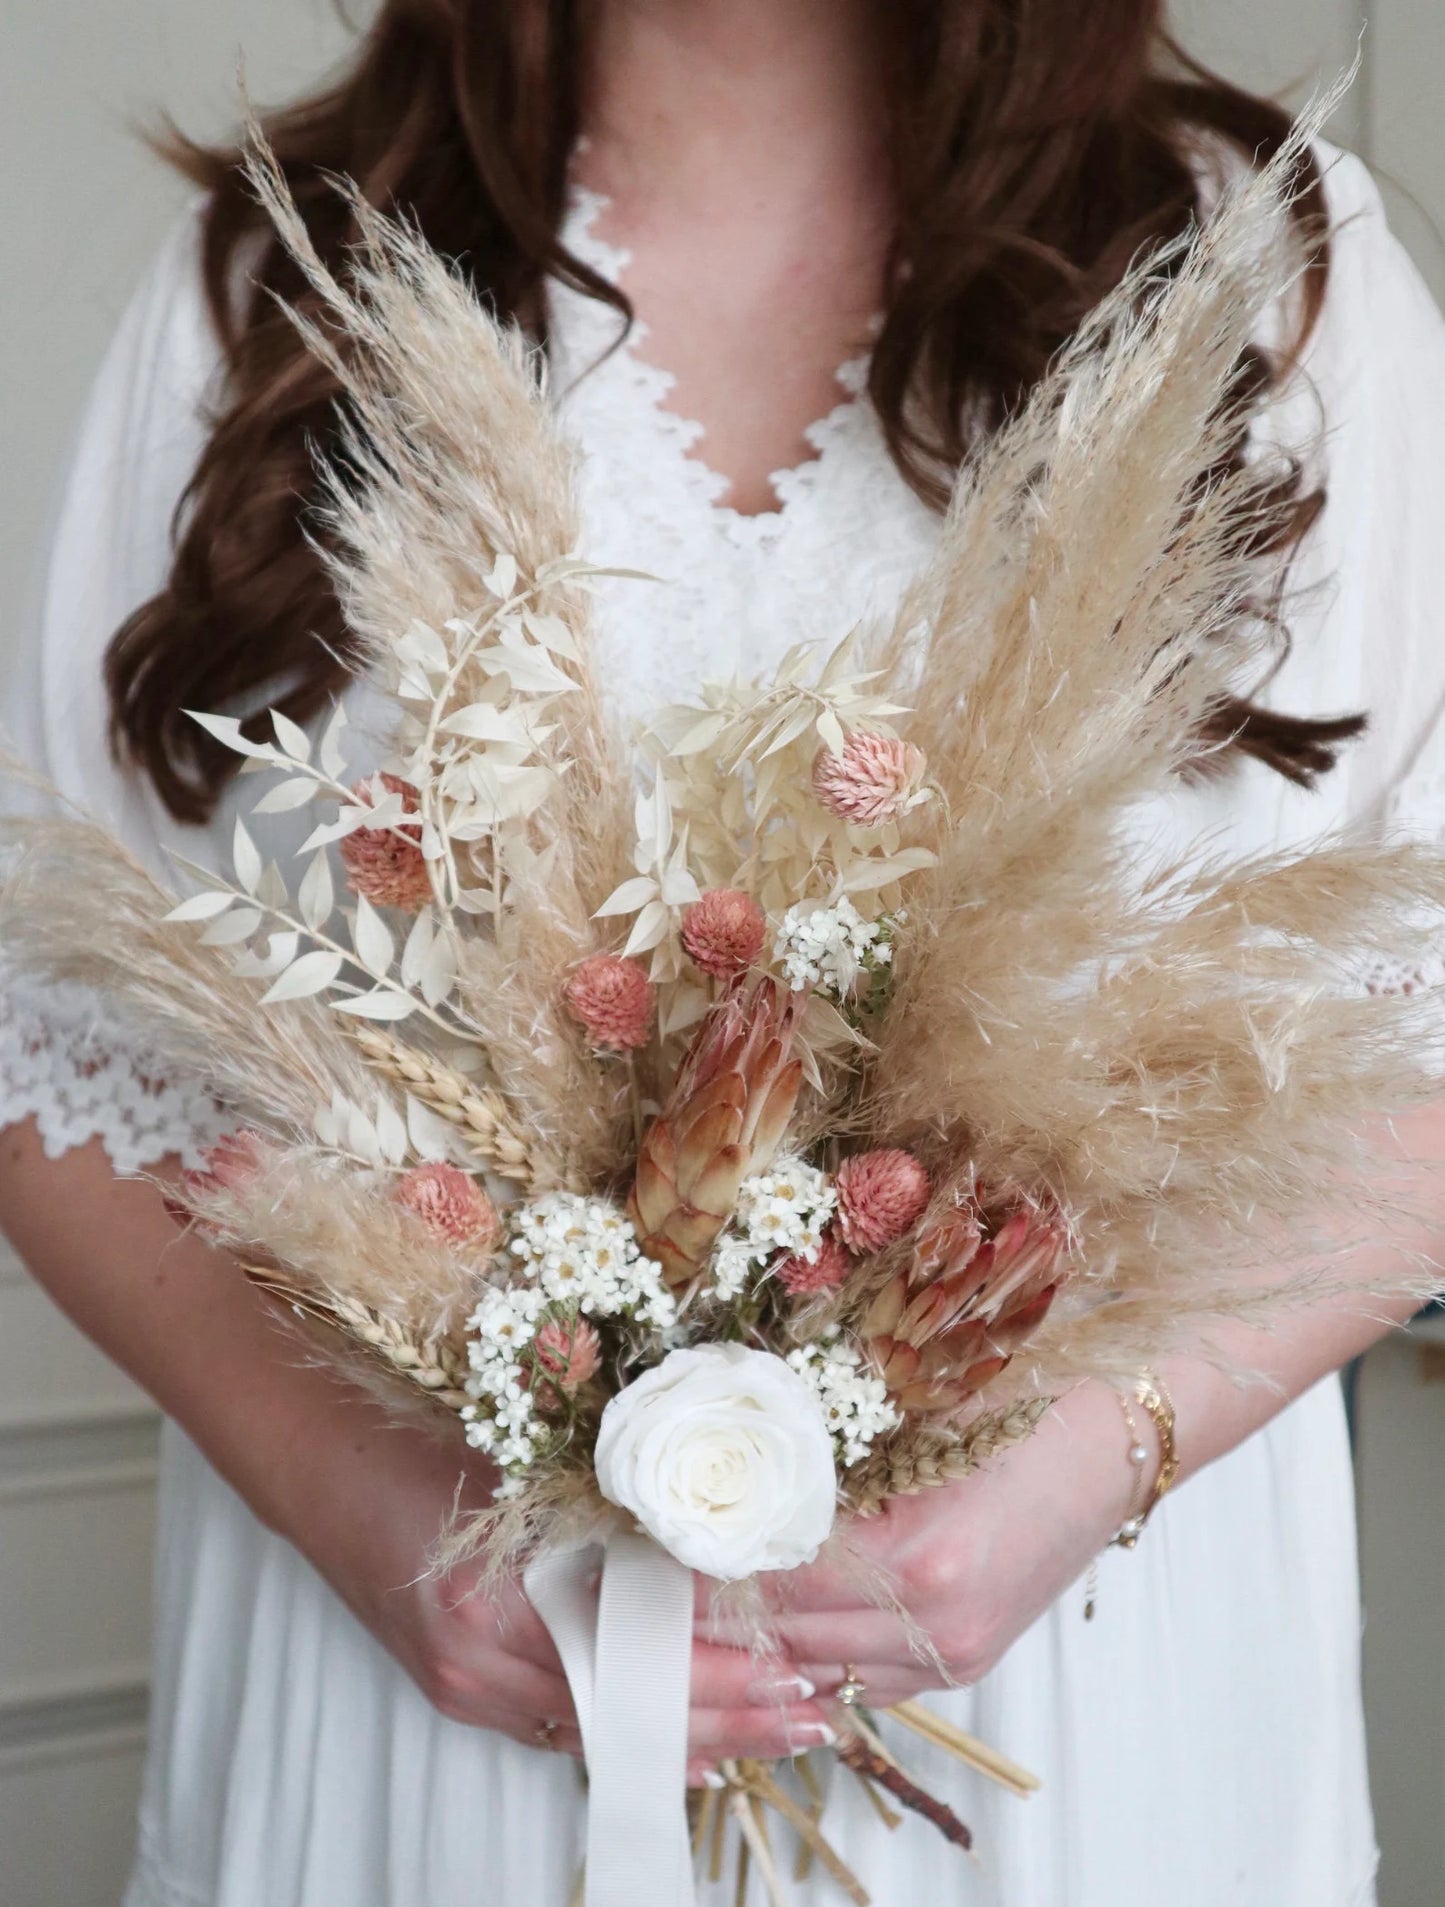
{"x": 81, "y": 208}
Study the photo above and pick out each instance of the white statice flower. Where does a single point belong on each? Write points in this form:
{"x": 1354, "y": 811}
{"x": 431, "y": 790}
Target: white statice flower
{"x": 481, "y": 1428}
{"x": 583, "y": 1252}
{"x": 502, "y": 1418}
{"x": 785, "y": 1209}
{"x": 854, "y": 1399}
{"x": 828, "y": 947}
{"x": 732, "y": 1264}
{"x": 505, "y": 1319}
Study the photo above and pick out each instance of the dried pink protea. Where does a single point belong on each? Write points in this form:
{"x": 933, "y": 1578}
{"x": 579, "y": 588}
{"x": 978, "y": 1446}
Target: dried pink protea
{"x": 724, "y": 931}
{"x": 873, "y": 780}
{"x": 613, "y": 1000}
{"x": 881, "y": 1197}
{"x": 451, "y": 1205}
{"x": 802, "y": 1277}
{"x": 568, "y": 1354}
{"x": 386, "y": 864}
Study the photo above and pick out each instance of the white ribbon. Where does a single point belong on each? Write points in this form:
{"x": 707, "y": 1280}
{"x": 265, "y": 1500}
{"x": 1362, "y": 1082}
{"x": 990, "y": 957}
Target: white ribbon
{"x": 628, "y": 1657}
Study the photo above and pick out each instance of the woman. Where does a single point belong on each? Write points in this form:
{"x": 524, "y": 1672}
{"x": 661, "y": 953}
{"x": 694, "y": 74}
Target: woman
{"x": 757, "y": 180}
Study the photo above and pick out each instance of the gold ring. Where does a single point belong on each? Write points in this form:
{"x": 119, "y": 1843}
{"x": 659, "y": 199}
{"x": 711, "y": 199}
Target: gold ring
{"x": 546, "y": 1735}
{"x": 850, "y": 1690}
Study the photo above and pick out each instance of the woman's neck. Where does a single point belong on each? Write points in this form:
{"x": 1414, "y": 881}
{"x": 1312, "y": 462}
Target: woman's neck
{"x": 770, "y": 94}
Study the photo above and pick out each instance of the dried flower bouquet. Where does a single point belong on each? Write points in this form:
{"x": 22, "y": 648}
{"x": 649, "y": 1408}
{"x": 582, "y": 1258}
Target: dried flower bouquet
{"x": 812, "y": 1094}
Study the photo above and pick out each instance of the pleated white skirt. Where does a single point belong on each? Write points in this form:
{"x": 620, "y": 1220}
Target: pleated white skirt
{"x": 1200, "y": 1742}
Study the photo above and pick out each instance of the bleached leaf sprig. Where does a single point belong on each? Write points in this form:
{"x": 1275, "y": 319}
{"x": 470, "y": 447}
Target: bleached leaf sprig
{"x": 476, "y": 764}
{"x": 662, "y": 887}
{"x": 309, "y": 945}
{"x": 740, "y": 775}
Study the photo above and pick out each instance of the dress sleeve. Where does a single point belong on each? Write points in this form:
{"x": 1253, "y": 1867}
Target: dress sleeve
{"x": 1366, "y": 604}
{"x": 64, "y": 1058}
{"x": 1370, "y": 632}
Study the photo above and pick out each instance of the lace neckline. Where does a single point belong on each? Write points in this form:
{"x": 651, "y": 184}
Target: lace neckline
{"x": 594, "y": 342}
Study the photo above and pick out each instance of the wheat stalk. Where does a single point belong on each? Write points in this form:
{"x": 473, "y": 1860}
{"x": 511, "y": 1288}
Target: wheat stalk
{"x": 478, "y": 1112}
{"x": 930, "y": 1457}
{"x": 433, "y": 1367}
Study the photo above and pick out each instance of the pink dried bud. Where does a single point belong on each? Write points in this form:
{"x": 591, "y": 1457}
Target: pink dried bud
{"x": 568, "y": 1354}
{"x": 724, "y": 931}
{"x": 873, "y": 780}
{"x": 451, "y": 1205}
{"x": 229, "y": 1165}
{"x": 613, "y": 1000}
{"x": 826, "y": 1272}
{"x": 881, "y": 1197}
{"x": 386, "y": 864}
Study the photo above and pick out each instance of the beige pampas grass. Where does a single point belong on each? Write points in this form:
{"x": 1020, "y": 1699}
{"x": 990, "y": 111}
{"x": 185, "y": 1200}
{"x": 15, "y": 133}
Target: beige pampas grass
{"x": 449, "y": 459}
{"x": 76, "y": 906}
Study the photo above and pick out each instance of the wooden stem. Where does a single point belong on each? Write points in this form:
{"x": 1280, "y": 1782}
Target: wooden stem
{"x": 858, "y": 1756}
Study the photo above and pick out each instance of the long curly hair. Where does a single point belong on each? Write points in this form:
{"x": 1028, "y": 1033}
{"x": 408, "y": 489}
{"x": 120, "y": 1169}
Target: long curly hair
{"x": 1037, "y": 145}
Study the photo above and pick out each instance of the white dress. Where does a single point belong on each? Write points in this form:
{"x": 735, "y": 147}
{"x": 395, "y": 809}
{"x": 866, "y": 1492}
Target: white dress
{"x": 1200, "y": 1743}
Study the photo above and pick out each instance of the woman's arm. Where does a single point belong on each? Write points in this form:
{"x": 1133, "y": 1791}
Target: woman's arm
{"x": 319, "y": 1461}
{"x": 977, "y": 1562}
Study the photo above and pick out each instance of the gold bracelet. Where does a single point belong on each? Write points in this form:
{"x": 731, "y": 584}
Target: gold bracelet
{"x": 1152, "y": 1396}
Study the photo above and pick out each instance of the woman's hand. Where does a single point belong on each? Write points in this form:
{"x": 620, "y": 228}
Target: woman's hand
{"x": 320, "y": 1463}
{"x": 484, "y": 1657}
{"x": 973, "y": 1564}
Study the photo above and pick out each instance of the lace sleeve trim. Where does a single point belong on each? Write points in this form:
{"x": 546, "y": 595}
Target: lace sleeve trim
{"x": 65, "y": 1063}
{"x": 1415, "y": 807}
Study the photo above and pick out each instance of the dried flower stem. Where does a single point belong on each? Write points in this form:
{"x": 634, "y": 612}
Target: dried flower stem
{"x": 480, "y": 1114}
{"x": 925, "y": 1458}
{"x": 855, "y": 1753}
{"x": 431, "y": 1367}
{"x": 741, "y": 1804}
{"x": 965, "y": 1748}
{"x": 760, "y": 1779}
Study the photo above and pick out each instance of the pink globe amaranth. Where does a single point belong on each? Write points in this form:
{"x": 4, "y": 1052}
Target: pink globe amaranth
{"x": 881, "y": 1197}
{"x": 568, "y": 1353}
{"x": 384, "y": 865}
{"x": 613, "y": 1000}
{"x": 724, "y": 932}
{"x": 451, "y": 1205}
{"x": 802, "y": 1277}
{"x": 871, "y": 781}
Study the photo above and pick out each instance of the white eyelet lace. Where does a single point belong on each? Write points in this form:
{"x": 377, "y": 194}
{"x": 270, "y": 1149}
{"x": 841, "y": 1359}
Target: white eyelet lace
{"x": 594, "y": 333}
{"x": 739, "y": 590}
{"x": 65, "y": 1062}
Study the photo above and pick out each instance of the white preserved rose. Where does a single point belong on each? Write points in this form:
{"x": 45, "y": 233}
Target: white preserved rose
{"x": 723, "y": 1456}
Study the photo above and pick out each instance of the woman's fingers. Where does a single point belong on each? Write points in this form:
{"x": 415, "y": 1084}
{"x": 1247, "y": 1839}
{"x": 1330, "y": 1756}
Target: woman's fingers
{"x": 731, "y": 1677}
{"x": 766, "y": 1734}
{"x": 854, "y": 1635}
{"x": 564, "y": 1739}
{"x": 512, "y": 1683}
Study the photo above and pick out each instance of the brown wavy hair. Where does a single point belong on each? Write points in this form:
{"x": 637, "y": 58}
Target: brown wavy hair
{"x": 1037, "y": 145}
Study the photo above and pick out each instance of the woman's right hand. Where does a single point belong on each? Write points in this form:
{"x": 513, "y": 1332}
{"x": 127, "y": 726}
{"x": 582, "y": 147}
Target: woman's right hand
{"x": 318, "y": 1461}
{"x": 482, "y": 1656}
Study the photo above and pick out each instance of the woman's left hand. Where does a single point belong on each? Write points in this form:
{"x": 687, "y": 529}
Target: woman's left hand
{"x": 973, "y": 1563}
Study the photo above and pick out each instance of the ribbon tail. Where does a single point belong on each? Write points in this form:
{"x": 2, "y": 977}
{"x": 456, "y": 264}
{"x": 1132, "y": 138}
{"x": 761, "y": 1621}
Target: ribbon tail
{"x": 628, "y": 1661}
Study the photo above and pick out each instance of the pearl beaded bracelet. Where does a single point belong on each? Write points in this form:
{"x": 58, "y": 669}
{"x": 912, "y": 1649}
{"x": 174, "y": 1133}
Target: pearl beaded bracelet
{"x": 1150, "y": 1394}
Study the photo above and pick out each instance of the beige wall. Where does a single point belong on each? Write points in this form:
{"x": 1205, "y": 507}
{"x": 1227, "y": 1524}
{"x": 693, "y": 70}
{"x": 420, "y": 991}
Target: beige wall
{"x": 81, "y": 207}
